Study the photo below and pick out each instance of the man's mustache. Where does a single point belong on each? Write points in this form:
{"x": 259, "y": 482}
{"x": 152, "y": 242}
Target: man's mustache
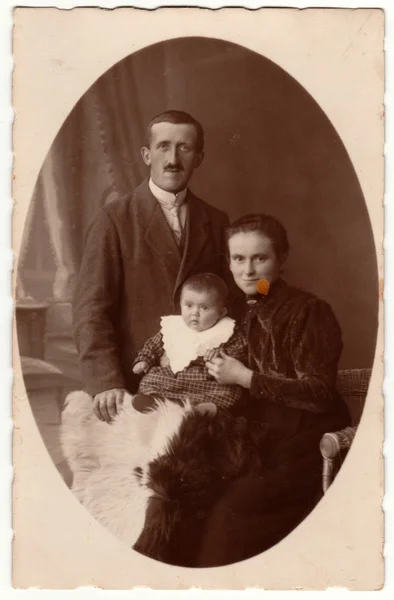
{"x": 174, "y": 167}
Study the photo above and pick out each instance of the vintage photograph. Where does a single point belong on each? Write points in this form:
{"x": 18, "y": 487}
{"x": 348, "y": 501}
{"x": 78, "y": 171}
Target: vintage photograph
{"x": 197, "y": 302}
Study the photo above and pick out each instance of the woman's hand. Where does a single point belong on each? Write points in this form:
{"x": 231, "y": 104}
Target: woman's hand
{"x": 140, "y": 367}
{"x": 227, "y": 370}
{"x": 211, "y": 354}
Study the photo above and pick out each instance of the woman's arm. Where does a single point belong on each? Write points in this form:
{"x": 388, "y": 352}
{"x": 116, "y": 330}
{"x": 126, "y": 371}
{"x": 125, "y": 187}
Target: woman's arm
{"x": 237, "y": 345}
{"x": 314, "y": 343}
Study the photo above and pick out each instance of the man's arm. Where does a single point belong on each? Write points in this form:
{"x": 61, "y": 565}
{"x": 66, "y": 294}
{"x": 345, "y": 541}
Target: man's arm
{"x": 236, "y": 299}
{"x": 95, "y": 307}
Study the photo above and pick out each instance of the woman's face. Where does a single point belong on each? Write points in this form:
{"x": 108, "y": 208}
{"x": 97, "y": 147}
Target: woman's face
{"x": 252, "y": 257}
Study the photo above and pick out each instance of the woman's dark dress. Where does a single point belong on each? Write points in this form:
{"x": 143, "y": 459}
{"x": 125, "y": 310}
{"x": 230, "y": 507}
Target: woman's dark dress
{"x": 294, "y": 343}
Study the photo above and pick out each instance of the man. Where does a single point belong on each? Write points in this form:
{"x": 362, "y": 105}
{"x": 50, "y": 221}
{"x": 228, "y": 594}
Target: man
{"x": 139, "y": 251}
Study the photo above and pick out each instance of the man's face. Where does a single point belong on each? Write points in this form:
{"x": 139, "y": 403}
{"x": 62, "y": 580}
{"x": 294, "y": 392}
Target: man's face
{"x": 172, "y": 155}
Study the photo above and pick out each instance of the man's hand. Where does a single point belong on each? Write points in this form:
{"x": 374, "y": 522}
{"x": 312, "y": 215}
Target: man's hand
{"x": 108, "y": 404}
{"x": 227, "y": 370}
{"x": 140, "y": 367}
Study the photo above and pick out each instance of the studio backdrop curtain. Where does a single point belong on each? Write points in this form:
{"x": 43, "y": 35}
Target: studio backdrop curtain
{"x": 90, "y": 163}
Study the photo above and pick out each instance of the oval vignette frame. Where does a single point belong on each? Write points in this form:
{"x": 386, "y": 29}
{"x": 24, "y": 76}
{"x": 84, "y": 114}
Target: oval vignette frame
{"x": 269, "y": 143}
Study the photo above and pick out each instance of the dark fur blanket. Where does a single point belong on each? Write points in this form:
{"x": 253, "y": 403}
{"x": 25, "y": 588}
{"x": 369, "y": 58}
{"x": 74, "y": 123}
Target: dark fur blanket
{"x": 203, "y": 456}
{"x": 152, "y": 478}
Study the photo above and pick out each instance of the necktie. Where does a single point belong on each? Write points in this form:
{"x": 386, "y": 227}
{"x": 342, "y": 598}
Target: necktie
{"x": 175, "y": 222}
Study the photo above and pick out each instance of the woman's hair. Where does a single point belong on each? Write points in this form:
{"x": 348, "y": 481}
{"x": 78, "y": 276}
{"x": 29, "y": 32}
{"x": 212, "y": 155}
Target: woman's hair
{"x": 208, "y": 282}
{"x": 177, "y": 117}
{"x": 266, "y": 225}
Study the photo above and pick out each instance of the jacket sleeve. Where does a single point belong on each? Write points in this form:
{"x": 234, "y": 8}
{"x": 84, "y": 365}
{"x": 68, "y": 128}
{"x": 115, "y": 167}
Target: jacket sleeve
{"x": 95, "y": 307}
{"x": 314, "y": 343}
{"x": 152, "y": 351}
{"x": 236, "y": 298}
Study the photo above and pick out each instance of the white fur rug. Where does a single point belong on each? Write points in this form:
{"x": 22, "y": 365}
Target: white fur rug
{"x": 103, "y": 458}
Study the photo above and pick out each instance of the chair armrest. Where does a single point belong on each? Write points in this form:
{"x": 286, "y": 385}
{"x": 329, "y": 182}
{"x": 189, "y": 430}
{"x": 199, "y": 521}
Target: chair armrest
{"x": 332, "y": 443}
{"x": 331, "y": 446}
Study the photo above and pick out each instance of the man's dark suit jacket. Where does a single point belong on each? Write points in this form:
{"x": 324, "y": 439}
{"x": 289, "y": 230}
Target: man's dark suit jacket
{"x": 130, "y": 276}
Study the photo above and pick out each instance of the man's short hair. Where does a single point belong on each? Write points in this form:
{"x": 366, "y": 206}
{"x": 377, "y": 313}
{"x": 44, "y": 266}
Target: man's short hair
{"x": 266, "y": 225}
{"x": 177, "y": 117}
{"x": 208, "y": 282}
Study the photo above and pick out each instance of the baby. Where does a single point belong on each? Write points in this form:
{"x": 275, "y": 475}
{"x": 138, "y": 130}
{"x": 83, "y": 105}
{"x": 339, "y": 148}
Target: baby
{"x": 174, "y": 359}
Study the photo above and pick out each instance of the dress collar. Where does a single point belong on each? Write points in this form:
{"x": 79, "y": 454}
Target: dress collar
{"x": 167, "y": 198}
{"x": 275, "y": 289}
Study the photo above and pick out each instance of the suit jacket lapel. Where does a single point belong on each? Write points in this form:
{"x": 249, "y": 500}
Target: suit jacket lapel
{"x": 158, "y": 234}
{"x": 197, "y": 234}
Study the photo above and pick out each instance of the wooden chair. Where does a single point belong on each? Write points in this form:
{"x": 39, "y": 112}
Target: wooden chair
{"x": 352, "y": 384}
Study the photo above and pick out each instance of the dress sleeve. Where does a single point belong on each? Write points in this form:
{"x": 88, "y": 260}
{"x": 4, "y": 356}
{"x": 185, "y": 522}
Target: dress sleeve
{"x": 152, "y": 351}
{"x": 314, "y": 344}
{"x": 237, "y": 346}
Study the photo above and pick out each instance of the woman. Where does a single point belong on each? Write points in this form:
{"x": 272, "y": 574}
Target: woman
{"x": 294, "y": 344}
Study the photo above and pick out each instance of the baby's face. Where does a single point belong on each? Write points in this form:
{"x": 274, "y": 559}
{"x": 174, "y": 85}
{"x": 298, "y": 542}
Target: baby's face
{"x": 200, "y": 310}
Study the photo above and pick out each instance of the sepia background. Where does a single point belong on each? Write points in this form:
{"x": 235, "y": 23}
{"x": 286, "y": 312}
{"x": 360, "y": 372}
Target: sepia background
{"x": 283, "y": 157}
{"x": 269, "y": 148}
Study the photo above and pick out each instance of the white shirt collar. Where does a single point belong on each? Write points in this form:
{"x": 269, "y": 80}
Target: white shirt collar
{"x": 167, "y": 197}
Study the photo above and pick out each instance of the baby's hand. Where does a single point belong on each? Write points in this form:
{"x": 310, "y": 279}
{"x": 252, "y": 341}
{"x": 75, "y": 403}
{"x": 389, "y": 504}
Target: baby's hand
{"x": 211, "y": 354}
{"x": 165, "y": 361}
{"x": 140, "y": 367}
